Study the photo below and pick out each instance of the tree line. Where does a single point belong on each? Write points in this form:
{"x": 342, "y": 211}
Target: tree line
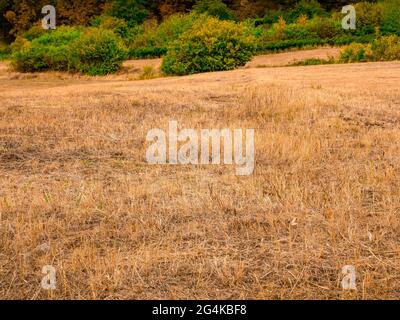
{"x": 17, "y": 16}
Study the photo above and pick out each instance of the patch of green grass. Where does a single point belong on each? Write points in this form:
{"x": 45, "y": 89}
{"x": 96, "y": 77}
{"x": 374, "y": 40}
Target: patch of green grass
{"x": 314, "y": 62}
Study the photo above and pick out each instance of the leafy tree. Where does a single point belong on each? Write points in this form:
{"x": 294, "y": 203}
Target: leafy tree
{"x": 133, "y": 12}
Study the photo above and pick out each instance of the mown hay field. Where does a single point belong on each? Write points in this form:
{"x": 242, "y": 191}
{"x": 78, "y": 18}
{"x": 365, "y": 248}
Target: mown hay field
{"x": 77, "y": 193}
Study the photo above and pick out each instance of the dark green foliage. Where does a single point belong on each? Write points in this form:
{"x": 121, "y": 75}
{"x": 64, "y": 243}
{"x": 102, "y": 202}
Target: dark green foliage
{"x": 214, "y": 8}
{"x": 147, "y": 52}
{"x": 287, "y": 44}
{"x": 134, "y": 12}
{"x": 391, "y": 13}
{"x": 309, "y": 8}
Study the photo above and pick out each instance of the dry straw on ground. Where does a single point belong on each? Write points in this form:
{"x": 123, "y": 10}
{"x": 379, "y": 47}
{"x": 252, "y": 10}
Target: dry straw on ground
{"x": 76, "y": 192}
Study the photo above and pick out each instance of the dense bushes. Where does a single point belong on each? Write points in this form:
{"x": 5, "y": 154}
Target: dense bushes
{"x": 154, "y": 39}
{"x": 385, "y": 48}
{"x": 211, "y": 45}
{"x": 93, "y": 51}
{"x": 308, "y": 24}
{"x": 317, "y": 31}
{"x": 207, "y": 39}
{"x": 49, "y": 51}
{"x": 308, "y": 8}
{"x": 97, "y": 52}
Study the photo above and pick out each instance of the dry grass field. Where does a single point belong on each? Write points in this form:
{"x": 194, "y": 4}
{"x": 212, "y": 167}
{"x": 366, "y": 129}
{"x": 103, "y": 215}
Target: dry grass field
{"x": 77, "y": 193}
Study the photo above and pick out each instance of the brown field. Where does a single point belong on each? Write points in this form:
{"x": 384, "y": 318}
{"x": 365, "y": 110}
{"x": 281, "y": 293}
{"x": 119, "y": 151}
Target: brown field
{"x": 76, "y": 191}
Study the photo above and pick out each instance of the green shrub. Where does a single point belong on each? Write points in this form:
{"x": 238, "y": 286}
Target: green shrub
{"x": 309, "y": 25}
{"x": 309, "y": 8}
{"x": 59, "y": 37}
{"x": 317, "y": 31}
{"x": 153, "y": 42}
{"x": 98, "y": 52}
{"x": 210, "y": 45}
{"x": 50, "y": 51}
{"x": 386, "y": 48}
{"x": 391, "y": 17}
{"x": 41, "y": 58}
{"x": 94, "y": 52}
{"x": 296, "y": 32}
{"x": 325, "y": 28}
{"x": 382, "y": 49}
{"x": 355, "y": 52}
{"x": 214, "y": 8}
{"x": 5, "y": 51}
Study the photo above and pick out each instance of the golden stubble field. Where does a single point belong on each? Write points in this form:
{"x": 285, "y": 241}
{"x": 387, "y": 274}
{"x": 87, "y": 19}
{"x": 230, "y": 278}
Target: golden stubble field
{"x": 76, "y": 191}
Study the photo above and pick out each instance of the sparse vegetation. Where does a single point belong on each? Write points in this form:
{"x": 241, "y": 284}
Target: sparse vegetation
{"x": 313, "y": 62}
{"x": 76, "y": 191}
{"x": 148, "y": 72}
